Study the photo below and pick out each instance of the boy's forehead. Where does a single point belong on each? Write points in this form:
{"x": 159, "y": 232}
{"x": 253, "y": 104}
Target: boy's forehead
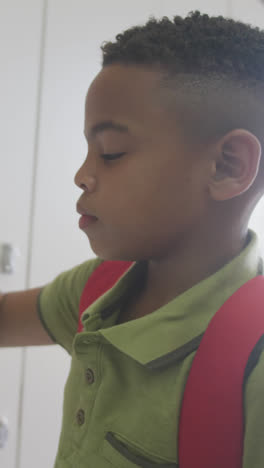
{"x": 122, "y": 90}
{"x": 121, "y": 79}
{"x": 125, "y": 94}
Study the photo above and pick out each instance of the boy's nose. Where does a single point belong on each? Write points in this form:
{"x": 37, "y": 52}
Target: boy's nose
{"x": 77, "y": 178}
{"x": 84, "y": 181}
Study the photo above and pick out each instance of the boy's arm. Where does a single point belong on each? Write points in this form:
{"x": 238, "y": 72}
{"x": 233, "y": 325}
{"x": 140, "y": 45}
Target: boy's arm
{"x": 47, "y": 315}
{"x": 19, "y": 321}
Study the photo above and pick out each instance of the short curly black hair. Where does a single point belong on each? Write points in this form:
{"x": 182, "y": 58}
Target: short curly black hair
{"x": 213, "y": 66}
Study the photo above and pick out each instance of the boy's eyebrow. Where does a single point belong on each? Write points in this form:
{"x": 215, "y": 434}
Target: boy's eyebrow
{"x": 106, "y": 125}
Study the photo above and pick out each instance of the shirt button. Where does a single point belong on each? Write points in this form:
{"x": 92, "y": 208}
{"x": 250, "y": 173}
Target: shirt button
{"x": 89, "y": 376}
{"x": 80, "y": 417}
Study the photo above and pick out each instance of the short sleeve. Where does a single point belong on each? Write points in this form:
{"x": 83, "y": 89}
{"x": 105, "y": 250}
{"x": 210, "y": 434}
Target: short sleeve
{"x": 254, "y": 418}
{"x": 58, "y": 303}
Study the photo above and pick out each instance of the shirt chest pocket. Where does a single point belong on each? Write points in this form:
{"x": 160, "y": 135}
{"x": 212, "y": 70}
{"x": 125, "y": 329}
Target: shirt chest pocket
{"x": 122, "y": 454}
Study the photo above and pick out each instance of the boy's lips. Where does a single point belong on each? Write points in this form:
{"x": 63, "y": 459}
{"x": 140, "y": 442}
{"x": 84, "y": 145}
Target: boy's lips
{"x": 86, "y": 221}
{"x": 84, "y": 212}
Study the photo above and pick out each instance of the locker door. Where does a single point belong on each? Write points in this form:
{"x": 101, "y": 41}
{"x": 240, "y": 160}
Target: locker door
{"x": 20, "y": 34}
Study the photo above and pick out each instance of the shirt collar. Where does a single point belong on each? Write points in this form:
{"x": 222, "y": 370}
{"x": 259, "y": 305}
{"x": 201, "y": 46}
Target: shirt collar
{"x": 176, "y": 329}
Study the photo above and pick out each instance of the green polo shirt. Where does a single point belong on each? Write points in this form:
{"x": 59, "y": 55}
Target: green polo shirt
{"x": 123, "y": 395}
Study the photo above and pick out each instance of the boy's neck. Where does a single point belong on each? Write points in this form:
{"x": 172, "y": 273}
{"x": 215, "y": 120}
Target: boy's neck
{"x": 169, "y": 277}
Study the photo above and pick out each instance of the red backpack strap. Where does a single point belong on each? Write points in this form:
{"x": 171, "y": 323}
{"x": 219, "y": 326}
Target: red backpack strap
{"x": 103, "y": 278}
{"x": 211, "y": 420}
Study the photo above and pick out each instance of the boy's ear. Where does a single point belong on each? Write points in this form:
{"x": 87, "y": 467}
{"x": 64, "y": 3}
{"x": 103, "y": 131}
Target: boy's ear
{"x": 235, "y": 165}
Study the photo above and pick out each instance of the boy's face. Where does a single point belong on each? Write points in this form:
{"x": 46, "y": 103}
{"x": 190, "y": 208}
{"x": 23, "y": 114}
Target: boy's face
{"x": 153, "y": 197}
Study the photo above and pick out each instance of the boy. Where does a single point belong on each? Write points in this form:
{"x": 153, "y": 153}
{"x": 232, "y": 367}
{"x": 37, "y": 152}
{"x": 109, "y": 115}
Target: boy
{"x": 173, "y": 172}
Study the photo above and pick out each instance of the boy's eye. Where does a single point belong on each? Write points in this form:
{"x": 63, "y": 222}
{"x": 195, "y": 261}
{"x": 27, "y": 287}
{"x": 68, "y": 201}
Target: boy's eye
{"x": 109, "y": 157}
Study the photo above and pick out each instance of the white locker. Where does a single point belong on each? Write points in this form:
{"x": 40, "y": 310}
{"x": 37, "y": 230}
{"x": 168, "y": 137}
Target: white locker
{"x": 20, "y": 42}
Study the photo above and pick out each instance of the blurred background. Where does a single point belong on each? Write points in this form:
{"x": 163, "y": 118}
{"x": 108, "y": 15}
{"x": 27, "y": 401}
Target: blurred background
{"x": 49, "y": 55}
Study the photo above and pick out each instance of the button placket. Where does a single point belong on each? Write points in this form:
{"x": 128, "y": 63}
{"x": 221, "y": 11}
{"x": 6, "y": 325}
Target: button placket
{"x": 89, "y": 375}
{"x": 87, "y": 394}
{"x": 80, "y": 417}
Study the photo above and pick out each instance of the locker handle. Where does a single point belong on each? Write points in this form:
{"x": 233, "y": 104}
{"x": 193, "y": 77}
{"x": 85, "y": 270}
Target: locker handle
{"x": 3, "y": 431}
{"x": 8, "y": 254}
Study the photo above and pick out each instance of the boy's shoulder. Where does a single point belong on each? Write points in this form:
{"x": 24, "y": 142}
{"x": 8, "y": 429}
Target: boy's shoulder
{"x": 66, "y": 288}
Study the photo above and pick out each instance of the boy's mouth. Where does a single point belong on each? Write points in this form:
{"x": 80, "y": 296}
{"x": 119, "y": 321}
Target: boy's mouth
{"x": 86, "y": 220}
{"x": 83, "y": 212}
